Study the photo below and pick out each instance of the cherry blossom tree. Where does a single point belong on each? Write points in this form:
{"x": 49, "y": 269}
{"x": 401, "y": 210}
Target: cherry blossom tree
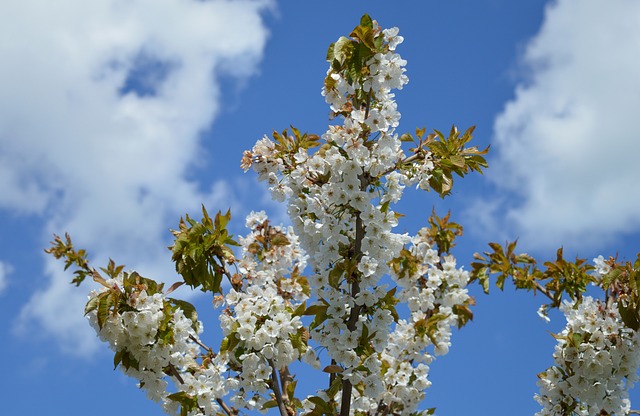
{"x": 330, "y": 282}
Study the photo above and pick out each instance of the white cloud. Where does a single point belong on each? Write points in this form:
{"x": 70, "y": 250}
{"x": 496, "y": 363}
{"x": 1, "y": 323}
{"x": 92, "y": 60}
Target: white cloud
{"x": 5, "y": 269}
{"x": 101, "y": 112}
{"x": 567, "y": 143}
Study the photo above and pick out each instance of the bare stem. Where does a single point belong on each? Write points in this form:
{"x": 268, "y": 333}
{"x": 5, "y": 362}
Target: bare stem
{"x": 285, "y": 380}
{"x": 275, "y": 386}
{"x": 544, "y": 291}
{"x": 347, "y": 387}
{"x": 226, "y": 408}
{"x": 418, "y": 154}
{"x": 225, "y": 270}
{"x": 197, "y": 341}
{"x": 383, "y": 409}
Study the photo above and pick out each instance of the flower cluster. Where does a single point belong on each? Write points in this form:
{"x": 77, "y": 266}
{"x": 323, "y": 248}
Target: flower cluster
{"x": 435, "y": 292}
{"x": 154, "y": 341}
{"x": 340, "y": 190}
{"x": 262, "y": 333}
{"x": 339, "y": 203}
{"x": 596, "y": 363}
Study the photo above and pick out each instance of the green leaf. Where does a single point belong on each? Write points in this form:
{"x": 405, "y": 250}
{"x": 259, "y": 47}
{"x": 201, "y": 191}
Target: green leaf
{"x": 335, "y": 387}
{"x": 366, "y": 21}
{"x": 280, "y": 240}
{"x": 117, "y": 358}
{"x": 91, "y": 305}
{"x": 291, "y": 388}
{"x": 321, "y": 405}
{"x": 300, "y": 310}
{"x": 330, "y": 52}
{"x": 316, "y": 309}
{"x": 458, "y": 160}
{"x": 269, "y": 404}
{"x": 104, "y": 304}
{"x": 365, "y": 35}
{"x": 342, "y": 49}
{"x": 630, "y": 315}
{"x": 407, "y": 137}
{"x": 335, "y": 274}
{"x": 333, "y": 369}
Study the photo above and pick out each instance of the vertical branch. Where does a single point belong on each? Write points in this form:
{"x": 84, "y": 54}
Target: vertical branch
{"x": 229, "y": 411}
{"x": 347, "y": 387}
{"x": 285, "y": 380}
{"x": 275, "y": 386}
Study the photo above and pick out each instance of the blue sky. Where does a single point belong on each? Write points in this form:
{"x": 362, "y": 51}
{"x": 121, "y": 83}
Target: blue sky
{"x": 116, "y": 118}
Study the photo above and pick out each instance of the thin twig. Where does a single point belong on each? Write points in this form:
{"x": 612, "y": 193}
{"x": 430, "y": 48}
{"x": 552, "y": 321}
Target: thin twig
{"x": 544, "y": 291}
{"x": 285, "y": 379}
{"x": 226, "y": 408}
{"x": 382, "y": 409}
{"x": 197, "y": 341}
{"x": 404, "y": 161}
{"x": 275, "y": 386}
{"x": 225, "y": 271}
{"x": 173, "y": 371}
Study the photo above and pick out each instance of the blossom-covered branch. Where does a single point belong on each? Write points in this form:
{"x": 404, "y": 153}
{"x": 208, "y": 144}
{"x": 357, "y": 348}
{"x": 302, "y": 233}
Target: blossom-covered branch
{"x": 331, "y": 281}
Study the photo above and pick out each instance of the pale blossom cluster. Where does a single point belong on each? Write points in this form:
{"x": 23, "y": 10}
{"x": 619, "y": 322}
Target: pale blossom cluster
{"x": 432, "y": 292}
{"x": 338, "y": 201}
{"x": 340, "y": 198}
{"x": 259, "y": 319}
{"x": 602, "y": 268}
{"x": 325, "y": 214}
{"x": 596, "y": 363}
{"x": 152, "y": 336}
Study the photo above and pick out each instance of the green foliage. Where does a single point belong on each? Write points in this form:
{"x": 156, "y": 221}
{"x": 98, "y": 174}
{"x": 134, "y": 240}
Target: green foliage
{"x": 448, "y": 155}
{"x": 349, "y": 57}
{"x": 319, "y": 310}
{"x": 126, "y": 359}
{"x": 463, "y": 312}
{"x": 285, "y": 143}
{"x": 623, "y": 283}
{"x": 202, "y": 249}
{"x": 442, "y": 233}
{"x": 558, "y": 278}
{"x": 405, "y": 265}
{"x": 64, "y": 249}
{"x": 186, "y": 401}
{"x": 321, "y": 407}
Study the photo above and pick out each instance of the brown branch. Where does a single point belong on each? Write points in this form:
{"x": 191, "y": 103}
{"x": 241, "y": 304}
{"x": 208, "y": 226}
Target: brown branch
{"x": 225, "y": 271}
{"x": 197, "y": 341}
{"x": 544, "y": 291}
{"x": 285, "y": 380}
{"x": 227, "y": 410}
{"x": 347, "y": 387}
{"x": 275, "y": 386}
{"x": 173, "y": 371}
{"x": 410, "y": 159}
{"x": 383, "y": 409}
